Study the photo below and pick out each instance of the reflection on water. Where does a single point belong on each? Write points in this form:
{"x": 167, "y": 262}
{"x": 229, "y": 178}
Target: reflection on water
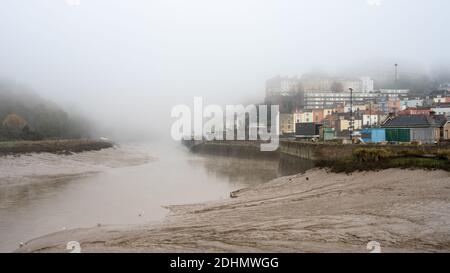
{"x": 130, "y": 195}
{"x": 290, "y": 165}
{"x": 252, "y": 171}
{"x": 238, "y": 171}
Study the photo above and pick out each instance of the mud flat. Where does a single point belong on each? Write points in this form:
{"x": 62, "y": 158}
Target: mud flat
{"x": 318, "y": 211}
{"x": 44, "y": 166}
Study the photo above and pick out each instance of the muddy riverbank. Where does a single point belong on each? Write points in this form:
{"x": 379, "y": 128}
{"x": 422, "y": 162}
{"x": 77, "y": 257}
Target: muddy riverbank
{"x": 64, "y": 146}
{"x": 41, "y": 167}
{"x": 403, "y": 210}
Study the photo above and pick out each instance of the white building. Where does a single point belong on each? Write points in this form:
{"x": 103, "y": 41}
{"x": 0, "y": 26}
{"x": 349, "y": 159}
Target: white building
{"x": 367, "y": 85}
{"x": 285, "y": 86}
{"x": 317, "y": 100}
{"x": 443, "y": 109}
{"x": 371, "y": 119}
{"x": 394, "y": 93}
{"x": 281, "y": 86}
{"x": 317, "y": 93}
{"x": 440, "y": 99}
{"x": 355, "y": 108}
{"x": 411, "y": 103}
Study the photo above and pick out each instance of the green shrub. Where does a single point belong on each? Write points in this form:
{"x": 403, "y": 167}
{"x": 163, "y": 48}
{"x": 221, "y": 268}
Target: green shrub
{"x": 444, "y": 154}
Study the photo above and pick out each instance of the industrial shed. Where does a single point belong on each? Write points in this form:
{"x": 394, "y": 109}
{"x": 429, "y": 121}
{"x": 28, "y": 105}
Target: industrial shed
{"x": 409, "y": 128}
{"x": 307, "y": 130}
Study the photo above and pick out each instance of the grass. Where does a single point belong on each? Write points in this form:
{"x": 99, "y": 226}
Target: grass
{"x": 443, "y": 154}
{"x": 423, "y": 163}
{"x": 351, "y": 165}
{"x": 7, "y": 144}
{"x": 63, "y": 146}
{"x": 371, "y": 154}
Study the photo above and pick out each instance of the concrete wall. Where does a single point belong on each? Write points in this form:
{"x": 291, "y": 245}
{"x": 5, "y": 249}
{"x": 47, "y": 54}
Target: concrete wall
{"x": 245, "y": 149}
{"x": 304, "y": 150}
{"x": 315, "y": 151}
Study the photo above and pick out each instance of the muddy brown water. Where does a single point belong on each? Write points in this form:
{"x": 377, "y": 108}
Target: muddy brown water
{"x": 129, "y": 195}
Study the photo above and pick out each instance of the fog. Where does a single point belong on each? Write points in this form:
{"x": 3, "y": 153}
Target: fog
{"x": 125, "y": 63}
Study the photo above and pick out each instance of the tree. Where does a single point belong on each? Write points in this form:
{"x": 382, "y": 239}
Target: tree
{"x": 12, "y": 126}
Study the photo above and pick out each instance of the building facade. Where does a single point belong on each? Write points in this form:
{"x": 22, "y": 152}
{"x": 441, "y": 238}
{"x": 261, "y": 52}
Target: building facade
{"x": 411, "y": 103}
{"x": 330, "y": 99}
{"x": 371, "y": 119}
{"x": 442, "y": 109}
{"x": 412, "y": 128}
{"x": 303, "y": 117}
{"x": 416, "y": 111}
{"x": 394, "y": 93}
{"x": 287, "y": 125}
{"x": 281, "y": 86}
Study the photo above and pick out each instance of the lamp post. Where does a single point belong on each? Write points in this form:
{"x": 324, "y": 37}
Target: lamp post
{"x": 396, "y": 77}
{"x": 351, "y": 127}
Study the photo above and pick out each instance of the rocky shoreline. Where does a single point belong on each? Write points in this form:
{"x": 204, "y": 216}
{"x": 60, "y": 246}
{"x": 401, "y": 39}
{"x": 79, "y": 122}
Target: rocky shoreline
{"x": 318, "y": 211}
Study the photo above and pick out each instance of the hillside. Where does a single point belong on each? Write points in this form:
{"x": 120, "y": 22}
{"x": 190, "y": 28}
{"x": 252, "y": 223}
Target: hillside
{"x": 24, "y": 115}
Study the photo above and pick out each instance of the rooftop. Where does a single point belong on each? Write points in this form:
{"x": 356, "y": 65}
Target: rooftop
{"x": 420, "y": 121}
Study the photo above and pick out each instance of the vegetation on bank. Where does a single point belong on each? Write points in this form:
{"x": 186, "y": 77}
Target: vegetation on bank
{"x": 372, "y": 159}
{"x": 349, "y": 158}
{"x": 67, "y": 146}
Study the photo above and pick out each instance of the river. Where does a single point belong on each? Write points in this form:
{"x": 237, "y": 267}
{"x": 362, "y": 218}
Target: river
{"x": 123, "y": 195}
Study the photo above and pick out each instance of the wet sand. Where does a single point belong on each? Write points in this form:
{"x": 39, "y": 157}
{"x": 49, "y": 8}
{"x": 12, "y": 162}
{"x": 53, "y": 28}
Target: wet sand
{"x": 37, "y": 167}
{"x": 46, "y": 192}
{"x": 403, "y": 210}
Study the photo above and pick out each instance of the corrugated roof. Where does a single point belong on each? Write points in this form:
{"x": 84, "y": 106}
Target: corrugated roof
{"x": 440, "y": 120}
{"x": 410, "y": 121}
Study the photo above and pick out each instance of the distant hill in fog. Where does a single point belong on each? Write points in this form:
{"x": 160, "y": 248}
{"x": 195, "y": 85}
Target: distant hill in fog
{"x": 419, "y": 79}
{"x": 25, "y": 115}
{"x": 419, "y": 84}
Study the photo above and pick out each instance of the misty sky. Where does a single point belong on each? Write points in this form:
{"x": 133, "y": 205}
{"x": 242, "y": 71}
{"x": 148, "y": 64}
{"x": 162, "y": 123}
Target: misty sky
{"x": 123, "y": 58}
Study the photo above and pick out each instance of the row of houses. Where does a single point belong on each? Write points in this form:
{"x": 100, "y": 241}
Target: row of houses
{"x": 343, "y": 120}
{"x": 338, "y": 118}
{"x": 421, "y": 129}
{"x": 325, "y": 107}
